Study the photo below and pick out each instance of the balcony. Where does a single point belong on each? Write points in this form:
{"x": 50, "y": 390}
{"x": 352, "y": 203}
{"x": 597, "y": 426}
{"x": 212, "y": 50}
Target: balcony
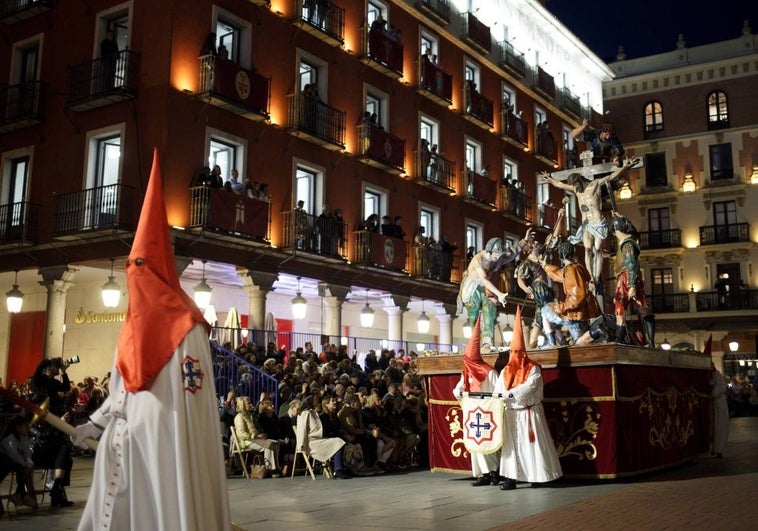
{"x": 316, "y": 121}
{"x": 435, "y": 171}
{"x": 511, "y": 60}
{"x": 381, "y": 149}
{"x": 476, "y": 33}
{"x": 21, "y": 106}
{"x": 478, "y": 109}
{"x": 548, "y": 216}
{"x": 383, "y": 51}
{"x": 669, "y": 303}
{"x": 12, "y": 11}
{"x": 515, "y": 130}
{"x": 233, "y": 88}
{"x": 480, "y": 189}
{"x": 325, "y": 20}
{"x": 569, "y": 102}
{"x": 431, "y": 262}
{"x": 516, "y": 204}
{"x": 436, "y": 84}
{"x": 377, "y": 250}
{"x": 93, "y": 212}
{"x": 727, "y": 233}
{"x": 661, "y": 239}
{"x": 18, "y": 224}
{"x": 103, "y": 81}
{"x": 742, "y": 299}
{"x": 547, "y": 147}
{"x": 319, "y": 235}
{"x": 544, "y": 83}
{"x": 437, "y": 10}
{"x": 229, "y": 214}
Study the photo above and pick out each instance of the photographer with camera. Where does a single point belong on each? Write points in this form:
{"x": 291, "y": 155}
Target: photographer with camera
{"x": 52, "y": 448}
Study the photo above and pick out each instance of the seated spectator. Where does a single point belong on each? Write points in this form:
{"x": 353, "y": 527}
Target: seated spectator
{"x": 16, "y": 456}
{"x": 248, "y": 435}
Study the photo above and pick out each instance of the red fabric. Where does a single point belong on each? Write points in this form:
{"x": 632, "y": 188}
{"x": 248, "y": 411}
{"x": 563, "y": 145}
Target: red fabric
{"x": 238, "y": 213}
{"x": 519, "y": 365}
{"x": 160, "y": 313}
{"x": 474, "y": 366}
{"x": 27, "y": 337}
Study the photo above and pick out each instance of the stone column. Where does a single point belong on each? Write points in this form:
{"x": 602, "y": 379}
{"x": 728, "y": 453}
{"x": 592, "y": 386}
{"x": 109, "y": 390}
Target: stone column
{"x": 334, "y": 296}
{"x": 257, "y": 284}
{"x": 445, "y": 314}
{"x": 395, "y": 306}
{"x": 58, "y": 280}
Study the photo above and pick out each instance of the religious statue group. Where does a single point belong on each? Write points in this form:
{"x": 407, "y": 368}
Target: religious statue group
{"x": 579, "y": 309}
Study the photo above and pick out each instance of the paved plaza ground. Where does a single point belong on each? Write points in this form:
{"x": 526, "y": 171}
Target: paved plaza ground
{"x": 708, "y": 493}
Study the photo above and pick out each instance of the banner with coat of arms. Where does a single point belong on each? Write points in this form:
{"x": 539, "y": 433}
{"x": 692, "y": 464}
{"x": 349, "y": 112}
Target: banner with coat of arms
{"x": 482, "y": 423}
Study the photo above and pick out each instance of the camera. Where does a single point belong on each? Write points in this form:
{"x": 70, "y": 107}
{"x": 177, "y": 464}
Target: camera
{"x": 72, "y": 360}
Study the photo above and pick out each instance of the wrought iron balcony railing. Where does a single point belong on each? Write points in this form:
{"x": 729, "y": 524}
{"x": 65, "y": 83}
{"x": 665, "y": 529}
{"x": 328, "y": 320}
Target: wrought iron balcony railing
{"x": 309, "y": 115}
{"x": 481, "y": 188}
{"x": 727, "y": 233}
{"x": 230, "y": 213}
{"x": 379, "y": 250}
{"x": 476, "y": 33}
{"x": 547, "y": 146}
{"x": 515, "y": 128}
{"x": 569, "y": 102}
{"x": 430, "y": 261}
{"x": 669, "y": 303}
{"x": 234, "y": 88}
{"x": 516, "y": 203}
{"x": 436, "y": 9}
{"x": 21, "y": 105}
{"x": 324, "y": 16}
{"x": 103, "y": 81}
{"x": 381, "y": 146}
{"x": 661, "y": 239}
{"x": 436, "y": 81}
{"x": 435, "y": 169}
{"x": 94, "y": 209}
{"x": 12, "y": 11}
{"x": 384, "y": 48}
{"x": 322, "y": 235}
{"x": 544, "y": 82}
{"x": 742, "y": 299}
{"x": 477, "y": 106}
{"x": 18, "y": 222}
{"x": 511, "y": 59}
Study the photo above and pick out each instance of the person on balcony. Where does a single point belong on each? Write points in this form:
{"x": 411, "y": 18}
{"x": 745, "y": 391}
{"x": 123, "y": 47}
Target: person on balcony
{"x": 215, "y": 180}
{"x": 238, "y": 186}
{"x": 436, "y": 164}
{"x": 446, "y": 258}
{"x": 425, "y": 159}
{"x": 301, "y": 221}
{"x": 326, "y": 231}
{"x": 109, "y": 57}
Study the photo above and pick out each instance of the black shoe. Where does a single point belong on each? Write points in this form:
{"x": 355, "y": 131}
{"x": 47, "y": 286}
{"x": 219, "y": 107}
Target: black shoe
{"x": 482, "y": 481}
{"x": 58, "y": 497}
{"x": 339, "y": 474}
{"x": 508, "y": 484}
{"x": 536, "y": 485}
{"x": 495, "y": 479}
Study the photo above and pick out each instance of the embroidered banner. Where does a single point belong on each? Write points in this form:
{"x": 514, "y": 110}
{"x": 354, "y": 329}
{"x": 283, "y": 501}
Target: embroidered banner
{"x": 482, "y": 424}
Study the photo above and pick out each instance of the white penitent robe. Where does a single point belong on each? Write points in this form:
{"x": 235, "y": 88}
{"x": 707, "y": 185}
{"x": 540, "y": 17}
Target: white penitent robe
{"x": 481, "y": 464}
{"x": 160, "y": 464}
{"x": 720, "y": 413}
{"x": 521, "y": 459}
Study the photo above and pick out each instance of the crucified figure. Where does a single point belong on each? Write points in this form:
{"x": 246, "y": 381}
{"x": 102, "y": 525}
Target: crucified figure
{"x": 595, "y": 227}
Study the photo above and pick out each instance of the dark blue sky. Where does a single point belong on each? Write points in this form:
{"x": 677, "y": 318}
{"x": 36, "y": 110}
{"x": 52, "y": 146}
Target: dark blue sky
{"x": 647, "y": 27}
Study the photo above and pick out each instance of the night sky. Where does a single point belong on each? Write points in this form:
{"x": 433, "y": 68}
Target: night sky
{"x": 647, "y": 27}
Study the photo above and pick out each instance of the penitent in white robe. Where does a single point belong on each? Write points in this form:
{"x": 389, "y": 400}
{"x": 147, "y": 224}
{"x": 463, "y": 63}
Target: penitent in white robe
{"x": 720, "y": 413}
{"x": 160, "y": 465}
{"x": 481, "y": 464}
{"x": 520, "y": 458}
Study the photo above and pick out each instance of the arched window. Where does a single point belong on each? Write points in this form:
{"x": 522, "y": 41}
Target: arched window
{"x": 653, "y": 117}
{"x": 718, "y": 110}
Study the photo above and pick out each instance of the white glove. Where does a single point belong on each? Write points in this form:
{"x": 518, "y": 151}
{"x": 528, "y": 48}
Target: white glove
{"x": 84, "y": 431}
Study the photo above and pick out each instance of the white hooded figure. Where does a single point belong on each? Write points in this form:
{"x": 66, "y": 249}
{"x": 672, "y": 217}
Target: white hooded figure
{"x": 159, "y": 464}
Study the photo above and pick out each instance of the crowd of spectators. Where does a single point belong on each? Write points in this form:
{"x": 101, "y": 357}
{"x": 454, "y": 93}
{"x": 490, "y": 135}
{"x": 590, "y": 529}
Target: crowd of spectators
{"x": 378, "y": 407}
{"x": 742, "y": 397}
{"x": 248, "y": 187}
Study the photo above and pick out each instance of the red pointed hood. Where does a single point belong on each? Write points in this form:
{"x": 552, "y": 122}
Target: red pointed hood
{"x": 519, "y": 365}
{"x": 708, "y": 349}
{"x": 160, "y": 313}
{"x": 475, "y": 369}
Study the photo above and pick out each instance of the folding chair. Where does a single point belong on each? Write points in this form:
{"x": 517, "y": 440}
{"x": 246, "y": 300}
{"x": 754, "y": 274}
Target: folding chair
{"x": 309, "y": 461}
{"x": 40, "y": 491}
{"x": 242, "y": 455}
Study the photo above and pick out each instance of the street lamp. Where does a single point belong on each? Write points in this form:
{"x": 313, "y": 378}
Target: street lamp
{"x": 14, "y": 299}
{"x": 299, "y": 304}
